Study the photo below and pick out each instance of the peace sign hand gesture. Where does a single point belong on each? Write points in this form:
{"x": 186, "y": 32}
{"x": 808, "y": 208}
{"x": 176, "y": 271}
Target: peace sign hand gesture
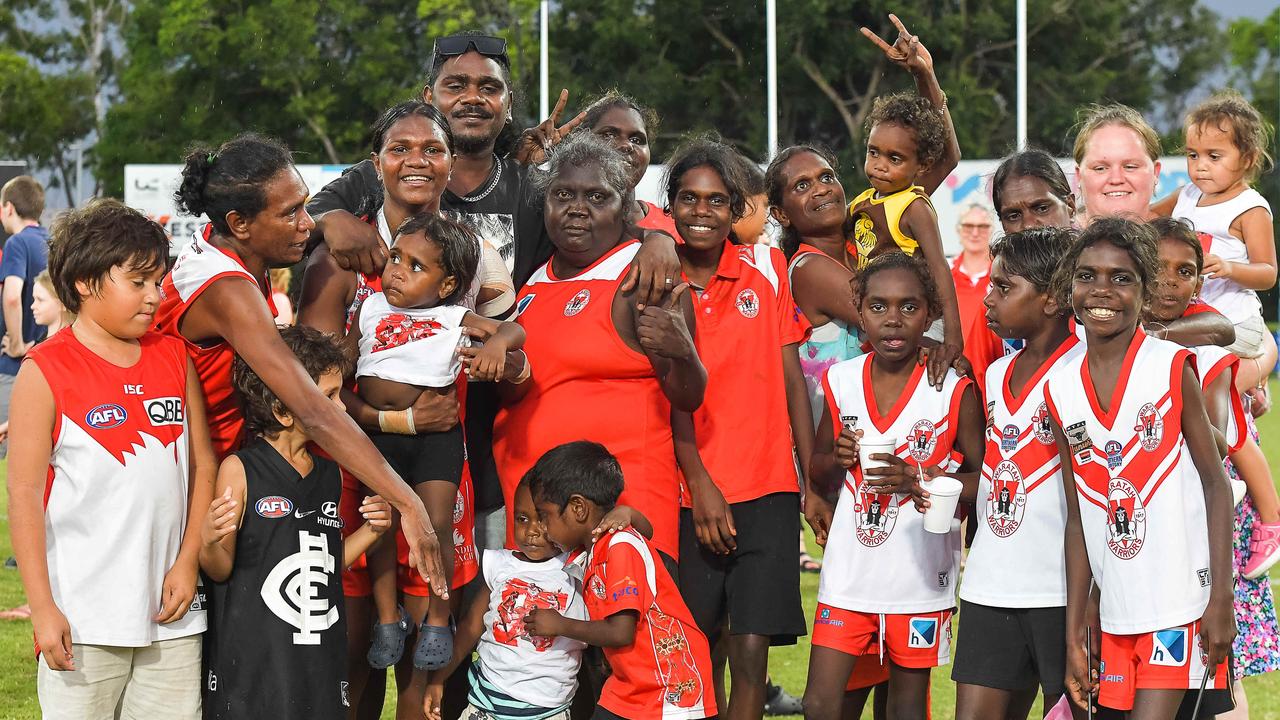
{"x": 536, "y": 142}
{"x": 906, "y": 52}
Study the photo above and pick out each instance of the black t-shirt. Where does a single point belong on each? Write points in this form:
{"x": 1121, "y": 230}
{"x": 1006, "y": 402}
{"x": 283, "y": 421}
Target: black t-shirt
{"x": 505, "y": 211}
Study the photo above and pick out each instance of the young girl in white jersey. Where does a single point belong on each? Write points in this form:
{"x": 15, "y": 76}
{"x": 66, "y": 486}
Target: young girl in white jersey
{"x": 409, "y": 337}
{"x": 1149, "y": 513}
{"x": 888, "y": 585}
{"x": 1014, "y": 593}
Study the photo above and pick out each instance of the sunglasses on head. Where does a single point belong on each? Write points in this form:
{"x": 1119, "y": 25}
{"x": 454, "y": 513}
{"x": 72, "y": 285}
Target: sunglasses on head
{"x": 491, "y": 47}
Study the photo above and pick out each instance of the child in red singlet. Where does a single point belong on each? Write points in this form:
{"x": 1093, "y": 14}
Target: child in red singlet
{"x": 408, "y": 337}
{"x": 109, "y": 461}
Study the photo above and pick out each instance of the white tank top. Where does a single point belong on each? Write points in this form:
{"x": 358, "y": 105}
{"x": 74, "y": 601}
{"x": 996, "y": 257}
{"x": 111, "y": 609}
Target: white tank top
{"x": 1141, "y": 501}
{"x": 538, "y": 670}
{"x": 1212, "y": 361}
{"x": 1213, "y": 224}
{"x": 879, "y": 557}
{"x": 1016, "y": 560}
{"x": 416, "y": 346}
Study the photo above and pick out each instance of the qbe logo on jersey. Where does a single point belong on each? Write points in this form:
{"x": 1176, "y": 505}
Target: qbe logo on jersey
{"x": 164, "y": 410}
{"x": 1169, "y": 647}
{"x": 923, "y": 632}
{"x": 292, "y": 591}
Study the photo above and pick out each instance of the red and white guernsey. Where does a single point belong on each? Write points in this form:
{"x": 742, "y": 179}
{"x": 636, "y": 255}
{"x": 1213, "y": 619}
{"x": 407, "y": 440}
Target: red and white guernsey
{"x": 879, "y": 557}
{"x": 198, "y": 266}
{"x": 1016, "y": 560}
{"x": 1211, "y": 362}
{"x": 116, "y": 494}
{"x": 1141, "y": 502}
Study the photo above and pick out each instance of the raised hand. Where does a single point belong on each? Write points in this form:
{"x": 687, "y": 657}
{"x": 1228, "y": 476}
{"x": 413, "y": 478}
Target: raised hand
{"x": 662, "y": 329}
{"x": 906, "y": 51}
{"x": 536, "y": 142}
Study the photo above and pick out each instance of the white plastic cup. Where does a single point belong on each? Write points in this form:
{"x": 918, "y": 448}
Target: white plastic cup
{"x": 944, "y": 495}
{"x": 874, "y": 446}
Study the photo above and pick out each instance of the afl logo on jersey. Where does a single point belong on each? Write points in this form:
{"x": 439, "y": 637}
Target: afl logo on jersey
{"x": 875, "y": 516}
{"x": 748, "y": 303}
{"x": 1150, "y": 427}
{"x": 577, "y": 303}
{"x": 1115, "y": 454}
{"x": 1007, "y": 500}
{"x": 1126, "y": 519}
{"x": 273, "y": 506}
{"x": 106, "y": 416}
{"x": 1009, "y": 438}
{"x": 922, "y": 441}
{"x": 1040, "y": 425}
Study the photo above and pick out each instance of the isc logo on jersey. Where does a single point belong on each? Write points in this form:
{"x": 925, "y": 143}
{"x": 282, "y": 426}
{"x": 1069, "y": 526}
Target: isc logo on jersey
{"x": 164, "y": 410}
{"x": 273, "y": 506}
{"x": 1169, "y": 647}
{"x": 105, "y": 416}
{"x": 923, "y": 632}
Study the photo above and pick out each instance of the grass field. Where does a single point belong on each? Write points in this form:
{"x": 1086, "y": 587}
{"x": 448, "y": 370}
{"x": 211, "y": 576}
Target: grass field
{"x": 788, "y": 665}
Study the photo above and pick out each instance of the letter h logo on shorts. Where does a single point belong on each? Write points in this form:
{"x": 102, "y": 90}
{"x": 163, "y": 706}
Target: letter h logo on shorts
{"x": 924, "y": 632}
{"x": 1169, "y": 647}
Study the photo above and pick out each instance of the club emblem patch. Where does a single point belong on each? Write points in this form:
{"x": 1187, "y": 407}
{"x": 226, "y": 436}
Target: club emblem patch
{"x": 1150, "y": 427}
{"x": 748, "y": 303}
{"x": 577, "y": 303}
{"x": 1126, "y": 519}
{"x": 875, "y": 514}
{"x": 1007, "y": 501}
{"x": 922, "y": 440}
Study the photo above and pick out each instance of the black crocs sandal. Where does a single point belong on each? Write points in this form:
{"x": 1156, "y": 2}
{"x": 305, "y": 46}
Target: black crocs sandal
{"x": 386, "y": 642}
{"x": 435, "y": 646}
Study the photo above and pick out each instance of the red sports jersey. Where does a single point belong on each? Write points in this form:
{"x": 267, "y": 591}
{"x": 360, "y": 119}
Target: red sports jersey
{"x": 745, "y": 316}
{"x": 116, "y": 494}
{"x": 200, "y": 265}
{"x": 657, "y": 219}
{"x": 588, "y": 384}
{"x": 666, "y": 673}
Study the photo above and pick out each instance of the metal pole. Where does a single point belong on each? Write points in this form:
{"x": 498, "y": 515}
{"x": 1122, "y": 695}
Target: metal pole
{"x": 771, "y": 71}
{"x": 1022, "y": 74}
{"x": 544, "y": 106}
{"x": 79, "y": 148}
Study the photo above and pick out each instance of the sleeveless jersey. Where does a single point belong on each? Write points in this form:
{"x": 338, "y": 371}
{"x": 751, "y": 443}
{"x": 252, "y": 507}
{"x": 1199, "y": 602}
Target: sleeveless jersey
{"x": 1141, "y": 503}
{"x": 198, "y": 266}
{"x": 827, "y": 344}
{"x": 877, "y": 223}
{"x": 415, "y": 346}
{"x": 1017, "y": 560}
{"x": 277, "y": 645}
{"x": 588, "y": 384}
{"x": 537, "y": 670}
{"x": 1211, "y": 362}
{"x": 879, "y": 557}
{"x": 116, "y": 494}
{"x": 1213, "y": 225}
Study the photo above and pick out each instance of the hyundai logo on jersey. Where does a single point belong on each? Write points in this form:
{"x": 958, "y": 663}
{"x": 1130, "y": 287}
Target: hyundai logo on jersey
{"x": 105, "y": 417}
{"x": 1169, "y": 647}
{"x": 924, "y": 632}
{"x": 274, "y": 506}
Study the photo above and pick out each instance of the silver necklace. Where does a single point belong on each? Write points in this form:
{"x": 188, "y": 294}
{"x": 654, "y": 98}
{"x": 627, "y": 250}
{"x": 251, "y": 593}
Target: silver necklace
{"x": 497, "y": 176}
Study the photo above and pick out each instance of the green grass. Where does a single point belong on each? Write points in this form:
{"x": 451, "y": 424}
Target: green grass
{"x": 788, "y": 665}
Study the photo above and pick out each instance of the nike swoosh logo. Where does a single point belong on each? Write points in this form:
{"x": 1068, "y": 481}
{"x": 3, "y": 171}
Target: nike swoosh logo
{"x": 299, "y": 514}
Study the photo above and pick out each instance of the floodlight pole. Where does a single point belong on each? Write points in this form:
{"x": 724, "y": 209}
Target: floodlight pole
{"x": 771, "y": 71}
{"x": 1022, "y": 74}
{"x": 544, "y": 106}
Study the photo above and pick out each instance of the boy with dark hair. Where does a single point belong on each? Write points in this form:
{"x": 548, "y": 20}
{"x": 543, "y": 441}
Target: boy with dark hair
{"x": 660, "y": 660}
{"x": 25, "y": 256}
{"x": 110, "y": 456}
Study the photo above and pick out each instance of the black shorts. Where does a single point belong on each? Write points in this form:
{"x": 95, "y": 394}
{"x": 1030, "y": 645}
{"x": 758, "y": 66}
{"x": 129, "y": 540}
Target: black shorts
{"x": 422, "y": 458}
{"x": 757, "y": 587}
{"x": 1011, "y": 648}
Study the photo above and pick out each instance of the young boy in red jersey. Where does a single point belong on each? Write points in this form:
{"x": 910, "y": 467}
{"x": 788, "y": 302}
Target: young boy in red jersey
{"x": 660, "y": 660}
{"x": 108, "y": 459}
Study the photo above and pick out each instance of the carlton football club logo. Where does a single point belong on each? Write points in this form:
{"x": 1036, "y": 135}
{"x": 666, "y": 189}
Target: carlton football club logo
{"x": 292, "y": 590}
{"x": 1150, "y": 427}
{"x": 1126, "y": 519}
{"x": 876, "y": 514}
{"x": 922, "y": 440}
{"x": 748, "y": 303}
{"x": 1040, "y": 425}
{"x": 577, "y": 303}
{"x": 1007, "y": 501}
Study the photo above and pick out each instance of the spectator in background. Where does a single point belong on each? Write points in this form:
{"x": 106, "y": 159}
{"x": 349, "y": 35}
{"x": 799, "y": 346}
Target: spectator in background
{"x": 26, "y": 254}
{"x": 280, "y": 279}
{"x": 971, "y": 271}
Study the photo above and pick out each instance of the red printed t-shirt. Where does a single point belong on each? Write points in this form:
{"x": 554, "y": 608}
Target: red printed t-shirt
{"x": 745, "y": 316}
{"x": 587, "y": 384}
{"x": 198, "y": 266}
{"x": 666, "y": 672}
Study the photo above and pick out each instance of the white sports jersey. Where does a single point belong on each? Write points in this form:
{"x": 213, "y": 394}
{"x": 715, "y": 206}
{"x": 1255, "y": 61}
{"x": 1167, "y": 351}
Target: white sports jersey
{"x": 1213, "y": 224}
{"x": 1016, "y": 560}
{"x": 538, "y": 670}
{"x": 1211, "y": 362}
{"x": 116, "y": 498}
{"x": 879, "y": 557}
{"x": 417, "y": 346}
{"x": 1140, "y": 496}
